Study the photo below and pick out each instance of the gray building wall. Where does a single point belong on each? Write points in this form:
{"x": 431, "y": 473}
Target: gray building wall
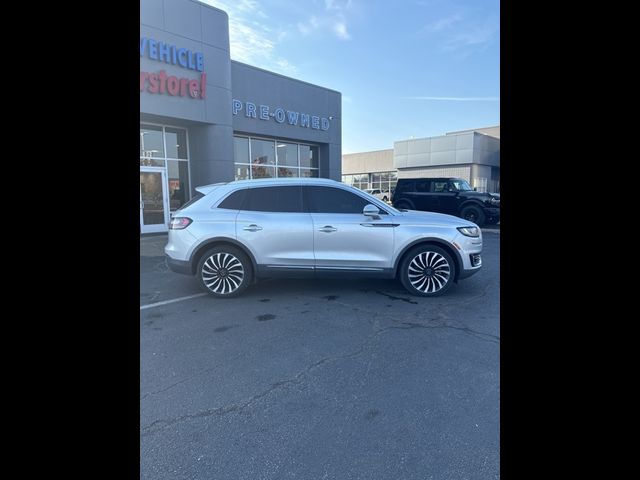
{"x": 491, "y": 131}
{"x": 456, "y": 149}
{"x": 463, "y": 171}
{"x": 210, "y": 121}
{"x": 470, "y": 155}
{"x": 260, "y": 87}
{"x": 368, "y": 162}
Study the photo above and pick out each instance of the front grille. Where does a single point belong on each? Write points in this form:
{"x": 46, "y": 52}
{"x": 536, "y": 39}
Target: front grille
{"x": 476, "y": 260}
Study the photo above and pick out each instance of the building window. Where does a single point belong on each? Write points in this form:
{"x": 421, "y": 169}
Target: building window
{"x": 163, "y": 146}
{"x": 385, "y": 181}
{"x": 262, "y": 158}
{"x": 176, "y": 141}
{"x": 151, "y": 141}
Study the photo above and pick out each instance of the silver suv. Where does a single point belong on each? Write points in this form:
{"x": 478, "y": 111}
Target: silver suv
{"x": 232, "y": 234}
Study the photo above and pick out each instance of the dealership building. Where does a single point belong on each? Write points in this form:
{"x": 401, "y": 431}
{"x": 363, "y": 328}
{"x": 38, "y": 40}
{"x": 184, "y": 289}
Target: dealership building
{"x": 205, "y": 118}
{"x": 473, "y": 155}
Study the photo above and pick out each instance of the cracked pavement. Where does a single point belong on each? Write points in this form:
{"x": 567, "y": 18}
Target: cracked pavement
{"x": 319, "y": 379}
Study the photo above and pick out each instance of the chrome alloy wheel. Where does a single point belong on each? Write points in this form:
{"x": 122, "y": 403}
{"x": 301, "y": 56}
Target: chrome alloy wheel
{"x": 429, "y": 272}
{"x": 222, "y": 273}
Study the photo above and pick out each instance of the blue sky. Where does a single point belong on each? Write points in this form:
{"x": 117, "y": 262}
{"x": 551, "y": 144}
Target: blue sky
{"x": 405, "y": 68}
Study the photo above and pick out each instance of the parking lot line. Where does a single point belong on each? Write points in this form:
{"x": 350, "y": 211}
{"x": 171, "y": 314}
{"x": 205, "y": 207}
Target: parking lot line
{"x": 172, "y": 301}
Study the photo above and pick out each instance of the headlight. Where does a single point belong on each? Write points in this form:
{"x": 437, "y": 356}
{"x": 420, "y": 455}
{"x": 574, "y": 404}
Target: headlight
{"x": 469, "y": 231}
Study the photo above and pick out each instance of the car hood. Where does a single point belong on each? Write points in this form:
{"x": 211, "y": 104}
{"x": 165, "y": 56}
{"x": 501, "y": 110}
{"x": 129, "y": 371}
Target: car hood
{"x": 431, "y": 218}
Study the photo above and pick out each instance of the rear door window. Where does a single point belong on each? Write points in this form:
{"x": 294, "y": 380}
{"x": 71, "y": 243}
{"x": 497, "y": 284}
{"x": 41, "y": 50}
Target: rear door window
{"x": 274, "y": 199}
{"x": 423, "y": 185}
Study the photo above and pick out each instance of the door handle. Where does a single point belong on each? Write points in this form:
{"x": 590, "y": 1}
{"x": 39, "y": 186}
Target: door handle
{"x": 252, "y": 228}
{"x": 327, "y": 229}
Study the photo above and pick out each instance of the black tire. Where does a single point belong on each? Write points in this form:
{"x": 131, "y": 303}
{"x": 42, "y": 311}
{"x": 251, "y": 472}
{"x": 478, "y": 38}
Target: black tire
{"x": 224, "y": 271}
{"x": 473, "y": 214}
{"x": 427, "y": 271}
{"x": 385, "y": 199}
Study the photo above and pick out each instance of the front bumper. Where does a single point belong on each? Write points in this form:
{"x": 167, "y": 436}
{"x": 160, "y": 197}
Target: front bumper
{"x": 492, "y": 212}
{"x": 178, "y": 266}
{"x": 475, "y": 262}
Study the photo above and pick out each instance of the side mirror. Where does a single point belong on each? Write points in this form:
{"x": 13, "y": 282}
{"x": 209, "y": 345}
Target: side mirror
{"x": 370, "y": 210}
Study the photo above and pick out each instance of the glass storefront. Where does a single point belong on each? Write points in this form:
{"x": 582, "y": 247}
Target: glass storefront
{"x": 164, "y": 174}
{"x": 385, "y": 181}
{"x": 271, "y": 158}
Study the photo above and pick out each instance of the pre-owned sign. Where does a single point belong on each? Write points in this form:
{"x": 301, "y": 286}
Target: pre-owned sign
{"x": 160, "y": 82}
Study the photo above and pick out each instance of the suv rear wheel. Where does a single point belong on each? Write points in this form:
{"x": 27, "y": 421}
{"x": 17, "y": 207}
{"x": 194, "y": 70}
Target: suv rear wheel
{"x": 473, "y": 214}
{"x": 224, "y": 271}
{"x": 427, "y": 271}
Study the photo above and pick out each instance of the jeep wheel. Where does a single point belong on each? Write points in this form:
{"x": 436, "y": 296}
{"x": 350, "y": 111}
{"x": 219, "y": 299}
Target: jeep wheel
{"x": 427, "y": 271}
{"x": 473, "y": 214}
{"x": 224, "y": 272}
{"x": 385, "y": 199}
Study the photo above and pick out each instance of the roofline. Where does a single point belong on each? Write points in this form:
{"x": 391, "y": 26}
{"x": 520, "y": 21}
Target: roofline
{"x": 285, "y": 76}
{"x": 369, "y": 151}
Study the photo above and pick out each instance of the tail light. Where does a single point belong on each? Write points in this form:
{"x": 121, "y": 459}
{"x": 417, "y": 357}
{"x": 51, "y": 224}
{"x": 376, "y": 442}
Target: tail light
{"x": 179, "y": 223}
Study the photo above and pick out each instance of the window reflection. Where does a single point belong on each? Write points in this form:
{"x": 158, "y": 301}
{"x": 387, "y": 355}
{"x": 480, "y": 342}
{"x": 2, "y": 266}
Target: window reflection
{"x": 176, "y": 139}
{"x": 151, "y": 142}
{"x": 260, "y": 158}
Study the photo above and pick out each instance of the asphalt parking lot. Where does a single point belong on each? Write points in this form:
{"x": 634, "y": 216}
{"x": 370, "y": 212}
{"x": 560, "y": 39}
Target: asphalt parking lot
{"x": 319, "y": 379}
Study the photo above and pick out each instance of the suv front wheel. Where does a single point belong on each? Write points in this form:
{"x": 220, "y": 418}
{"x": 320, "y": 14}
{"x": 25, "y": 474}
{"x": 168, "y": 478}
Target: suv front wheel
{"x": 427, "y": 271}
{"x": 224, "y": 271}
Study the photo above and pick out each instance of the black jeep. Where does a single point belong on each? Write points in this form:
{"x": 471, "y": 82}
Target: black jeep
{"x": 453, "y": 196}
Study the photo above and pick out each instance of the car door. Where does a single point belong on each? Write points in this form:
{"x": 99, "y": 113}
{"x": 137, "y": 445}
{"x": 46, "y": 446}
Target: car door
{"x": 274, "y": 226}
{"x": 344, "y": 238}
{"x": 442, "y": 199}
{"x": 421, "y": 195}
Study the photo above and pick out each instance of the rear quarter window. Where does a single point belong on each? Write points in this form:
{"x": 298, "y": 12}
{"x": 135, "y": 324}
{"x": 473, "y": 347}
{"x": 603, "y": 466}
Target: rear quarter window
{"x": 234, "y": 201}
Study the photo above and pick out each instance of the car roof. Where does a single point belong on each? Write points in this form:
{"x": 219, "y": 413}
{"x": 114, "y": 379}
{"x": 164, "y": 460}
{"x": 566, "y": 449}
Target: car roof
{"x": 261, "y": 182}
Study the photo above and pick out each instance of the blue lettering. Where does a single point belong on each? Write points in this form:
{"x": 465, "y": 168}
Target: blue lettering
{"x": 199, "y": 62}
{"x": 182, "y": 57}
{"x": 153, "y": 49}
{"x": 164, "y": 52}
{"x": 264, "y": 112}
{"x": 174, "y": 53}
{"x": 292, "y": 117}
{"x": 315, "y": 122}
{"x": 251, "y": 110}
{"x": 236, "y": 106}
{"x": 304, "y": 120}
{"x": 192, "y": 63}
{"x": 325, "y": 123}
{"x": 278, "y": 114}
{"x": 143, "y": 46}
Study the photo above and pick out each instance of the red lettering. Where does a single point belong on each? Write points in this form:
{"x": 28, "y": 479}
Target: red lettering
{"x": 163, "y": 79}
{"x": 143, "y": 79}
{"x": 193, "y": 88}
{"x": 173, "y": 85}
{"x": 162, "y": 83}
{"x": 203, "y": 84}
{"x": 153, "y": 83}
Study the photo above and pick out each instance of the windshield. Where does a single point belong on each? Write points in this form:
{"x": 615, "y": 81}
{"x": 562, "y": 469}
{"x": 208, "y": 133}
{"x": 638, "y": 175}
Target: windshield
{"x": 461, "y": 185}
